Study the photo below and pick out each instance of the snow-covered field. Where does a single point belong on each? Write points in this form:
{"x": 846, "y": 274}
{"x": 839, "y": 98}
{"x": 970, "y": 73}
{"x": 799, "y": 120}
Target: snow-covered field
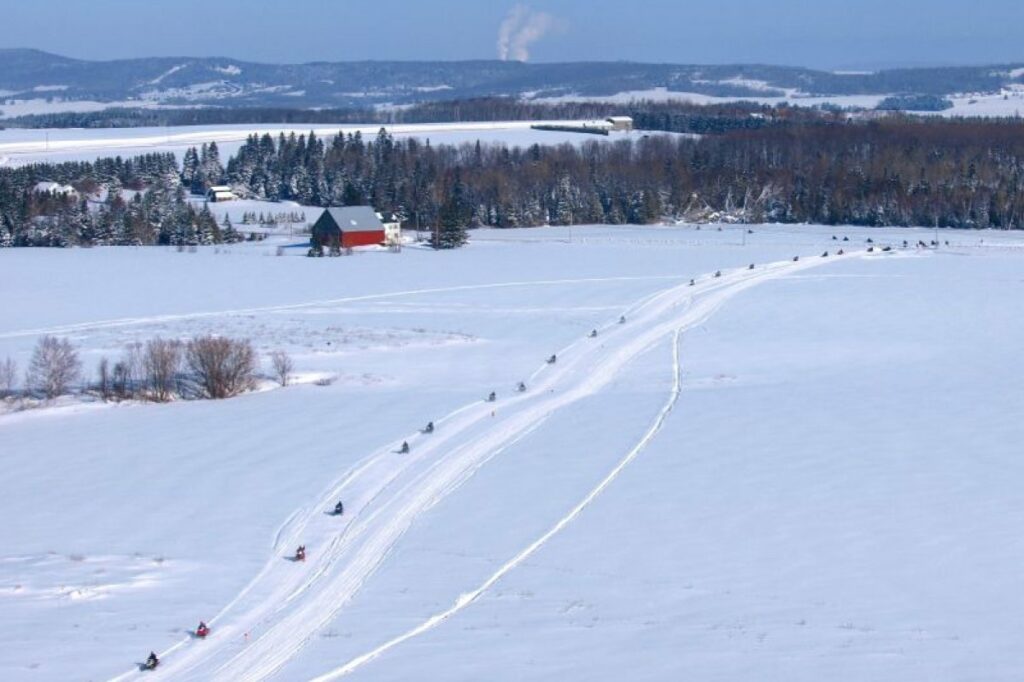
{"x": 804, "y": 471}
{"x": 20, "y": 145}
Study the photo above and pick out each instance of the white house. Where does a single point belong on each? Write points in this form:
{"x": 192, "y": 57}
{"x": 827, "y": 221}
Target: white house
{"x": 392, "y": 229}
{"x": 218, "y": 193}
{"x": 620, "y": 122}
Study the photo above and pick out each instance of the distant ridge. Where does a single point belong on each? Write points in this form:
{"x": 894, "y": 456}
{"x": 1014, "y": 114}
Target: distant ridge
{"x": 223, "y": 81}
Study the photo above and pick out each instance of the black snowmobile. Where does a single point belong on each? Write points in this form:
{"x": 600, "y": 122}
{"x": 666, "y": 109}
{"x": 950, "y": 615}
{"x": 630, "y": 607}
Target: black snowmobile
{"x": 492, "y": 397}
{"x": 339, "y": 509}
{"x": 552, "y": 360}
{"x": 404, "y": 450}
{"x": 152, "y": 662}
{"x": 521, "y": 387}
{"x": 429, "y": 428}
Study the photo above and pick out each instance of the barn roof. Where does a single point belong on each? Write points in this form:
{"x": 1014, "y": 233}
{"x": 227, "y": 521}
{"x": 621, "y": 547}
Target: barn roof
{"x": 355, "y": 219}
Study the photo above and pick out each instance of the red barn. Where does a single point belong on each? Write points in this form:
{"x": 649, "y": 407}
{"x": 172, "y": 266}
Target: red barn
{"x": 345, "y": 227}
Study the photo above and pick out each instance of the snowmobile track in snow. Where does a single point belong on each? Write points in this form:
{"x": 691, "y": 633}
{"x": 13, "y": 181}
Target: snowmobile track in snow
{"x": 285, "y": 605}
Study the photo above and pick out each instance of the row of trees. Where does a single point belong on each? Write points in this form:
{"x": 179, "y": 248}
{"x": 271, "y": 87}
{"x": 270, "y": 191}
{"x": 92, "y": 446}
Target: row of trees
{"x": 133, "y": 202}
{"x": 891, "y": 172}
{"x": 788, "y": 167}
{"x": 159, "y": 370}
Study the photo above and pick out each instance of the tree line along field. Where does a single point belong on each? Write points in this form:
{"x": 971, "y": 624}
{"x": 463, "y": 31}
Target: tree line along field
{"x": 828, "y": 170}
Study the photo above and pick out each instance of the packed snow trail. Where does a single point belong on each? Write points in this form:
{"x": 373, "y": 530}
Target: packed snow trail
{"x": 468, "y": 598}
{"x": 286, "y": 604}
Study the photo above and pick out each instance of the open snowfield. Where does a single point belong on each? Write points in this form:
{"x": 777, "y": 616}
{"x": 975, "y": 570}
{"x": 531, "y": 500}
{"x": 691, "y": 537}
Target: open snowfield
{"x": 805, "y": 471}
{"x": 19, "y": 146}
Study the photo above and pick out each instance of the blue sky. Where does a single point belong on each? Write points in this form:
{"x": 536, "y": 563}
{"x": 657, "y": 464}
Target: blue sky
{"x": 816, "y": 33}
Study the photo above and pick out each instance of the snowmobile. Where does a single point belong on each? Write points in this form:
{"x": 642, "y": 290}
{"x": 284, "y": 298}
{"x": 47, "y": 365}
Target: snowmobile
{"x": 835, "y": 238}
{"x": 404, "y": 450}
{"x": 622, "y": 319}
{"x": 751, "y": 267}
{"x": 491, "y": 397}
{"x": 429, "y": 428}
{"x": 846, "y": 239}
{"x": 871, "y": 249}
{"x": 593, "y": 333}
{"x": 339, "y": 509}
{"x": 552, "y": 360}
{"x": 825, "y": 255}
{"x": 718, "y": 273}
{"x": 840, "y": 252}
{"x": 870, "y": 240}
{"x": 152, "y": 662}
{"x": 796, "y": 258}
{"x": 692, "y": 283}
{"x": 300, "y": 553}
{"x": 203, "y": 630}
{"x": 521, "y": 387}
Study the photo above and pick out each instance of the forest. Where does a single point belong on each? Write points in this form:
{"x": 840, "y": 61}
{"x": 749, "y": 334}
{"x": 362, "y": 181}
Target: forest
{"x": 784, "y": 167}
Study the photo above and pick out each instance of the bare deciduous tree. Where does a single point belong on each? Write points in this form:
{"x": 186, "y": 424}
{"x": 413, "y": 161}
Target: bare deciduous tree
{"x": 161, "y": 362}
{"x": 221, "y": 367}
{"x": 53, "y": 368}
{"x": 8, "y": 377}
{"x": 103, "y": 382}
{"x": 282, "y": 364}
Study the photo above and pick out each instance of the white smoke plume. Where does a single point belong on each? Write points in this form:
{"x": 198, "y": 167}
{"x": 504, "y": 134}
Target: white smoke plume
{"x": 521, "y": 28}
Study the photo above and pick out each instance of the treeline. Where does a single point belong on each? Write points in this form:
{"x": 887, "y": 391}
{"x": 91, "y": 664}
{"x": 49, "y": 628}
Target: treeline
{"x": 677, "y": 116}
{"x": 133, "y": 202}
{"x": 896, "y": 171}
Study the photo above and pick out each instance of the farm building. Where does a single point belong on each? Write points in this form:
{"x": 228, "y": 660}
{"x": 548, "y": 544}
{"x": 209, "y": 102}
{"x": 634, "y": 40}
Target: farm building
{"x": 392, "y": 229}
{"x": 346, "y": 227}
{"x": 219, "y": 193}
{"x": 620, "y": 122}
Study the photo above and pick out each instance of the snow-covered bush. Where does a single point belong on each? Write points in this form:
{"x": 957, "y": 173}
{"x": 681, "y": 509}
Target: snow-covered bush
{"x": 53, "y": 368}
{"x": 221, "y": 367}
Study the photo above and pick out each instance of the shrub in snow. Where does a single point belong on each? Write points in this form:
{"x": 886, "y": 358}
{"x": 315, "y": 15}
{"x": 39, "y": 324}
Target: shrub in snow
{"x": 8, "y": 377}
{"x": 221, "y": 367}
{"x": 282, "y": 365}
{"x": 162, "y": 364}
{"x": 53, "y": 368}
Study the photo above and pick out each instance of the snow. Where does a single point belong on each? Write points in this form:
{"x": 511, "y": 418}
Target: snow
{"x": 170, "y": 72}
{"x": 662, "y": 94}
{"x": 229, "y": 70}
{"x": 20, "y": 146}
{"x": 803, "y": 471}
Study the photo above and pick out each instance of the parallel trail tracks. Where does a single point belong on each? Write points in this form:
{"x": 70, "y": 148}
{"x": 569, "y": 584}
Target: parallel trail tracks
{"x": 284, "y": 606}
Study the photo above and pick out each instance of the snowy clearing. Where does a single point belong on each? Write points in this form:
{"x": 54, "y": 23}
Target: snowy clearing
{"x": 20, "y": 146}
{"x": 801, "y": 471}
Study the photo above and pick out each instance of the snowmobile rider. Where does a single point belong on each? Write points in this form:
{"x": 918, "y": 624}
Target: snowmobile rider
{"x": 339, "y": 509}
{"x": 492, "y": 397}
{"x": 552, "y": 360}
{"x": 429, "y": 428}
{"x": 300, "y": 553}
{"x": 152, "y": 662}
{"x": 405, "y": 448}
{"x": 203, "y": 630}
{"x": 521, "y": 387}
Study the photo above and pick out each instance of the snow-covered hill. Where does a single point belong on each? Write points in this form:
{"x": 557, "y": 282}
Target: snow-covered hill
{"x": 35, "y": 82}
{"x": 802, "y": 471}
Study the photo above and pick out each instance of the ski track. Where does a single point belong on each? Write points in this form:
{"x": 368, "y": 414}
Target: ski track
{"x": 286, "y": 604}
{"x": 174, "y": 317}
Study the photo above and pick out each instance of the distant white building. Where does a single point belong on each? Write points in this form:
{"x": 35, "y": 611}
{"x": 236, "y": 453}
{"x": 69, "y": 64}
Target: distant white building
{"x": 392, "y": 230}
{"x": 54, "y": 188}
{"x": 620, "y": 122}
{"x": 218, "y": 193}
